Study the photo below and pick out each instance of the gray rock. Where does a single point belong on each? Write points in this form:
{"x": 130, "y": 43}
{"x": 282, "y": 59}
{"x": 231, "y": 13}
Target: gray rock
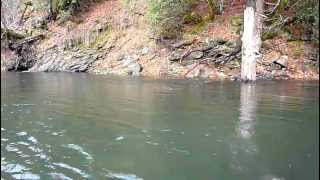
{"x": 134, "y": 69}
{"x": 196, "y": 55}
{"x": 145, "y": 50}
{"x": 127, "y": 61}
{"x": 175, "y": 55}
{"x": 282, "y": 61}
{"x": 68, "y": 61}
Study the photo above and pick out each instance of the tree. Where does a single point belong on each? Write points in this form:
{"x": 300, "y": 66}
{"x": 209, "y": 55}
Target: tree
{"x": 50, "y": 9}
{"x": 251, "y": 39}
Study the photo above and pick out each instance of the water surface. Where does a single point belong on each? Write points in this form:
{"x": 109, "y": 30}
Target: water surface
{"x": 80, "y": 126}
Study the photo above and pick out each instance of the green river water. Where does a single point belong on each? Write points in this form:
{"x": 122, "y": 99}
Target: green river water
{"x": 81, "y": 126}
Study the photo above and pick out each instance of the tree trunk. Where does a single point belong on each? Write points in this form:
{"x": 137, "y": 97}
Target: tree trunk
{"x": 251, "y": 39}
{"x": 259, "y": 22}
{"x": 50, "y": 9}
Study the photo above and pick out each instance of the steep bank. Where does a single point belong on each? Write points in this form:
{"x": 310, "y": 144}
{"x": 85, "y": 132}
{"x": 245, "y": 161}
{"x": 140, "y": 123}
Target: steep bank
{"x": 113, "y": 37}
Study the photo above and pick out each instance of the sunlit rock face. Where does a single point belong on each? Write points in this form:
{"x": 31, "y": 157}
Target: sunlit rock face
{"x": 10, "y": 13}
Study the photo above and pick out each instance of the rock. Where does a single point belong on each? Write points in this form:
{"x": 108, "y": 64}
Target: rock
{"x": 235, "y": 78}
{"x": 280, "y": 74}
{"x": 69, "y": 61}
{"x": 175, "y": 55}
{"x": 130, "y": 65}
{"x": 134, "y": 69}
{"x": 126, "y": 61}
{"x": 196, "y": 54}
{"x": 182, "y": 43}
{"x": 282, "y": 61}
{"x": 144, "y": 51}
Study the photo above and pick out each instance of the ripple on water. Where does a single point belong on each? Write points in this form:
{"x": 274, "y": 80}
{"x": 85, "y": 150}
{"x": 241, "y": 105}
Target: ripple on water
{"x": 76, "y": 170}
{"x": 59, "y": 176}
{"x": 11, "y": 148}
{"x": 123, "y": 176}
{"x": 12, "y": 168}
{"x": 22, "y": 133}
{"x": 33, "y": 139}
{"x": 79, "y": 149}
{"x": 28, "y": 176}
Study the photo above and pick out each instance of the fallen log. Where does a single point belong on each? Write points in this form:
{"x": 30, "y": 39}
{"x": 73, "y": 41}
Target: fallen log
{"x": 27, "y": 40}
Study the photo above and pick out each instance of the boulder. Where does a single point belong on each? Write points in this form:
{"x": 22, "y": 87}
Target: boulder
{"x": 134, "y": 69}
{"x": 144, "y": 51}
{"x": 282, "y": 61}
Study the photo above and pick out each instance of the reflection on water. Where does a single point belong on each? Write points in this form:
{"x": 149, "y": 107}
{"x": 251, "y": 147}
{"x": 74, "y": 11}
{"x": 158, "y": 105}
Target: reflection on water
{"x": 80, "y": 126}
{"x": 248, "y": 105}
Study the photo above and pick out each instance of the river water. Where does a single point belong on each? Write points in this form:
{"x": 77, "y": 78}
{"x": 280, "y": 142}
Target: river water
{"x": 81, "y": 126}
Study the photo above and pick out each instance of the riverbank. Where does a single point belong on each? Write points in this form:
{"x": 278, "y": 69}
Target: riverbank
{"x": 110, "y": 38}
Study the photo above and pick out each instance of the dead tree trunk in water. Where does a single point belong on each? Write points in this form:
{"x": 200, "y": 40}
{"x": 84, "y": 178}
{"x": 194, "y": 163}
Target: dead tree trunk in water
{"x": 251, "y": 39}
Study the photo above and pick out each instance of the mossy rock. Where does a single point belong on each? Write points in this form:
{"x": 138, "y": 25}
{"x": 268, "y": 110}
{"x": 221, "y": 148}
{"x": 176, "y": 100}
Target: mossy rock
{"x": 236, "y": 21}
{"x": 199, "y": 28}
{"x": 297, "y": 48}
{"x": 193, "y": 18}
{"x": 269, "y": 35}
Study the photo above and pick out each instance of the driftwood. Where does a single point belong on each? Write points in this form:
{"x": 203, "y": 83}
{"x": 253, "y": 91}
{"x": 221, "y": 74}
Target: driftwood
{"x": 27, "y": 40}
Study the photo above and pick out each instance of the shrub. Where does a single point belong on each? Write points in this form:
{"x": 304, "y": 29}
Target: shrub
{"x": 307, "y": 13}
{"x": 166, "y": 16}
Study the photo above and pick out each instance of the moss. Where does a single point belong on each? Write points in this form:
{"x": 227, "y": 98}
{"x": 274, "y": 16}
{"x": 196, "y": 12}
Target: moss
{"x": 101, "y": 39}
{"x": 269, "y": 35}
{"x": 236, "y": 21}
{"x": 200, "y": 27}
{"x": 11, "y": 35}
{"x": 193, "y": 18}
{"x": 297, "y": 48}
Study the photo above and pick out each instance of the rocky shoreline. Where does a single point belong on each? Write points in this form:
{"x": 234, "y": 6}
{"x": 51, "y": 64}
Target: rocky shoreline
{"x": 105, "y": 45}
{"x": 214, "y": 59}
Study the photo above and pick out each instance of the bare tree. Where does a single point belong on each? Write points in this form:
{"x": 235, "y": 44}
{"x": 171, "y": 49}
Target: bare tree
{"x": 251, "y": 39}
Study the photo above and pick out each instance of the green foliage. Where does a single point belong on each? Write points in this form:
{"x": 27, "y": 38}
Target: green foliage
{"x": 193, "y": 18}
{"x": 307, "y": 13}
{"x": 64, "y": 9}
{"x": 166, "y": 16}
{"x": 63, "y": 16}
